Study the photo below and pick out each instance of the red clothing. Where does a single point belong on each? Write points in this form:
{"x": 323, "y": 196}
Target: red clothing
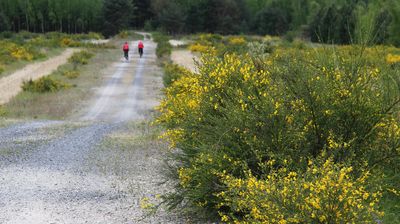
{"x": 126, "y": 47}
{"x": 140, "y": 45}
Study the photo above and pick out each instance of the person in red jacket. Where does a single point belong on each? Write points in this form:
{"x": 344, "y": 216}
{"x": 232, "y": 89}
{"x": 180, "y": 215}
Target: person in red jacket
{"x": 125, "y": 48}
{"x": 140, "y": 48}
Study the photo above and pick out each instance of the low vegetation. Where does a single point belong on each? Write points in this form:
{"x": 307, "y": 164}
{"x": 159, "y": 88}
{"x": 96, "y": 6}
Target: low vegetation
{"x": 27, "y": 47}
{"x": 172, "y": 73}
{"x": 285, "y": 133}
{"x": 44, "y": 85}
{"x": 80, "y": 58}
{"x": 163, "y": 46}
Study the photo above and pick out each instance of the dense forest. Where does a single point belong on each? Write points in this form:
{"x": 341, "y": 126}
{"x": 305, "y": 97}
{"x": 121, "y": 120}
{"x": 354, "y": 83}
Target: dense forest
{"x": 330, "y": 21}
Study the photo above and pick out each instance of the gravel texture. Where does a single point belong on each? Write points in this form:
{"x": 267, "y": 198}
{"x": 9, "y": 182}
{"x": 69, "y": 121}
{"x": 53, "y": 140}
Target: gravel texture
{"x": 98, "y": 168}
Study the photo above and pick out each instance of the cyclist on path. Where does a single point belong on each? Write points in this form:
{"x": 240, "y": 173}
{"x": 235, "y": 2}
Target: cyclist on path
{"x": 125, "y": 48}
{"x": 140, "y": 48}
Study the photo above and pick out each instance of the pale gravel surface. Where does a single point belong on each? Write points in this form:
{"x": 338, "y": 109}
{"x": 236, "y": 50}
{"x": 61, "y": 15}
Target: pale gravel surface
{"x": 185, "y": 58}
{"x": 73, "y": 172}
{"x": 178, "y": 43}
{"x": 10, "y": 85}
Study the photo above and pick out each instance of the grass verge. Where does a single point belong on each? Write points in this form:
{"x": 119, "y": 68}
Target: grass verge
{"x": 63, "y": 103}
{"x": 13, "y": 67}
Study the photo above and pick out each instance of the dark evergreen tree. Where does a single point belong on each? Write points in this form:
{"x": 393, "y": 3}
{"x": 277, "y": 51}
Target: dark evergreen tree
{"x": 142, "y": 13}
{"x": 117, "y": 14}
{"x": 272, "y": 20}
{"x": 323, "y": 26}
{"x": 4, "y": 22}
{"x": 381, "y": 28}
{"x": 197, "y": 16}
{"x": 172, "y": 17}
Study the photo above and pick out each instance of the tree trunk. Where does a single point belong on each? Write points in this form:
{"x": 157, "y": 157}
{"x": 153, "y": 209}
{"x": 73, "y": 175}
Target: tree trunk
{"x": 27, "y": 22}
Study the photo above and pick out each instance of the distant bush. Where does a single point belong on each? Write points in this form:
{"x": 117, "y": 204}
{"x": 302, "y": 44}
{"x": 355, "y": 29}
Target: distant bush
{"x": 1, "y": 69}
{"x": 3, "y": 111}
{"x": 43, "y": 85}
{"x": 6, "y": 35}
{"x": 71, "y": 74}
{"x": 27, "y": 35}
{"x": 393, "y": 59}
{"x": 236, "y": 40}
{"x": 163, "y": 46}
{"x": 80, "y": 58}
{"x": 11, "y": 51}
{"x": 68, "y": 42}
{"x": 123, "y": 34}
{"x": 197, "y": 47}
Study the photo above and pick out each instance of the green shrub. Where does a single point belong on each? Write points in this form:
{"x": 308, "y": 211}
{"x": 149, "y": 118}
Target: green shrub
{"x": 123, "y": 34}
{"x": 164, "y": 48}
{"x": 325, "y": 193}
{"x": 6, "y": 34}
{"x": 239, "y": 115}
{"x": 172, "y": 72}
{"x": 3, "y": 111}
{"x": 72, "y": 74}
{"x": 27, "y": 35}
{"x": 80, "y": 58}
{"x": 43, "y": 85}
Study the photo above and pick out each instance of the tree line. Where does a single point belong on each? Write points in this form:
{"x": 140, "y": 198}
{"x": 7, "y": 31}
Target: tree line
{"x": 329, "y": 21}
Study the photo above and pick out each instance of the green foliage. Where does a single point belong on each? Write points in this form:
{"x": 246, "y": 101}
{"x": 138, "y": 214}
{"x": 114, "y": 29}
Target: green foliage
{"x": 123, "y": 34}
{"x": 272, "y": 21}
{"x": 80, "y": 58}
{"x": 50, "y": 15}
{"x": 44, "y": 85}
{"x": 171, "y": 17}
{"x": 241, "y": 116}
{"x": 394, "y": 27}
{"x": 71, "y": 74}
{"x": 172, "y": 72}
{"x": 326, "y": 21}
{"x": 324, "y": 193}
{"x": 3, "y": 111}
{"x": 163, "y": 46}
{"x": 334, "y": 25}
{"x": 118, "y": 16}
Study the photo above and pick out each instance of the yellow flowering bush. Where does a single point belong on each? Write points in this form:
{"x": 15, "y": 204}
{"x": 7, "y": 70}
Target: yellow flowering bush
{"x": 173, "y": 72}
{"x": 10, "y": 51}
{"x": 197, "y": 47}
{"x": 237, "y": 40}
{"x": 244, "y": 112}
{"x": 71, "y": 74}
{"x": 68, "y": 42}
{"x": 81, "y": 58}
{"x": 43, "y": 85}
{"x": 393, "y": 59}
{"x": 21, "y": 53}
{"x": 322, "y": 194}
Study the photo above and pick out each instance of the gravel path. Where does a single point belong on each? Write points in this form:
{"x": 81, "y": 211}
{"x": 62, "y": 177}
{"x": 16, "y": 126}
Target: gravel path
{"x": 10, "y": 85}
{"x": 78, "y": 171}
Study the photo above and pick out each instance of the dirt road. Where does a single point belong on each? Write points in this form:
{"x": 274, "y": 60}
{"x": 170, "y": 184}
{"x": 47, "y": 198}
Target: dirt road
{"x": 93, "y": 168}
{"x": 10, "y": 85}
